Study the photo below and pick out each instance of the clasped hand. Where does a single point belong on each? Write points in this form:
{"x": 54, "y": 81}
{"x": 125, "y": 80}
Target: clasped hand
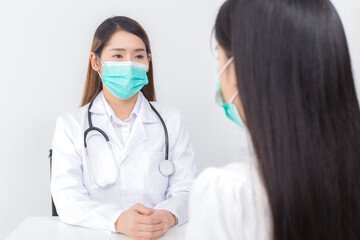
{"x": 141, "y": 222}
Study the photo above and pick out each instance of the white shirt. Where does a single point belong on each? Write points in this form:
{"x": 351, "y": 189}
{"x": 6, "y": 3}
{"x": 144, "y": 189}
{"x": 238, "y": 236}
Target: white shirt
{"x": 122, "y": 128}
{"x": 229, "y": 203}
{"x": 79, "y": 201}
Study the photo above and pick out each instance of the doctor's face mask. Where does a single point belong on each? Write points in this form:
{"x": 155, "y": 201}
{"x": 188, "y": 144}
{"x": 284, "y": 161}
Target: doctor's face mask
{"x": 124, "y": 79}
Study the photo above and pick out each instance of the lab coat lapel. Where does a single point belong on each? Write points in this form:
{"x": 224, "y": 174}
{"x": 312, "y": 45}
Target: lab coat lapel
{"x": 138, "y": 133}
{"x": 101, "y": 120}
{"x": 137, "y": 136}
{"x": 110, "y": 130}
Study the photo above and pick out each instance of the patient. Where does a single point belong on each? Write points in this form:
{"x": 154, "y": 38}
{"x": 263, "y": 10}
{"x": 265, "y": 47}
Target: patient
{"x": 285, "y": 75}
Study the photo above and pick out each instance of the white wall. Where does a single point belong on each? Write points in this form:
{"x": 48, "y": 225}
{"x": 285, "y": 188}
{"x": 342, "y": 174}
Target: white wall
{"x": 43, "y": 60}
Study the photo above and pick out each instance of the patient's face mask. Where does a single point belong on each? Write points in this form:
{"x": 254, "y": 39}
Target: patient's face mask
{"x": 124, "y": 79}
{"x": 230, "y": 109}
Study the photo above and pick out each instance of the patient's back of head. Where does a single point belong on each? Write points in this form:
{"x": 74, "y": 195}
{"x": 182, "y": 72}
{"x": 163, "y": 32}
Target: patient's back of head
{"x": 297, "y": 89}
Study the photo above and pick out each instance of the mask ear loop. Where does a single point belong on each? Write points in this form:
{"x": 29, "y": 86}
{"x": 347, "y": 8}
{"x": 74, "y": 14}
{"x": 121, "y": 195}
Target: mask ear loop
{"x": 101, "y": 64}
{"x": 226, "y": 65}
{"x": 233, "y": 97}
{"x": 222, "y": 70}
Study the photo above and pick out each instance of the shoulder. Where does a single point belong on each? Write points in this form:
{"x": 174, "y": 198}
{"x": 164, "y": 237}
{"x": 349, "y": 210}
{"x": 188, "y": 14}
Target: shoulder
{"x": 222, "y": 203}
{"x": 74, "y": 114}
{"x": 225, "y": 186}
{"x": 166, "y": 110}
{"x": 233, "y": 178}
{"x": 170, "y": 115}
{"x": 72, "y": 119}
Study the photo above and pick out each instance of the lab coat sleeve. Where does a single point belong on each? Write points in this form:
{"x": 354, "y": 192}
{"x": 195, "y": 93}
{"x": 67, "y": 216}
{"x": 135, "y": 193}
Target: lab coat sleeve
{"x": 177, "y": 195}
{"x": 71, "y": 198}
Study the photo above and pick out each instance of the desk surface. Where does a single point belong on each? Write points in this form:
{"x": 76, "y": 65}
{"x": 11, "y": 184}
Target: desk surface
{"x": 53, "y": 228}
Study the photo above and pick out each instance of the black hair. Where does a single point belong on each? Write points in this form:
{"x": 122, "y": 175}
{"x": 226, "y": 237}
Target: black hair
{"x": 296, "y": 86}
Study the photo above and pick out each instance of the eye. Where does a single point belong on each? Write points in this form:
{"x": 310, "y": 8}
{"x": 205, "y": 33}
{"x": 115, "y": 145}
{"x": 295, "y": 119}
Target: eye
{"x": 139, "y": 57}
{"x": 117, "y": 56}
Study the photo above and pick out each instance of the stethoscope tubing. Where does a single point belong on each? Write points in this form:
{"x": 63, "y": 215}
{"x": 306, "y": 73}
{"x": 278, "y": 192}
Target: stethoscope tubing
{"x": 92, "y": 128}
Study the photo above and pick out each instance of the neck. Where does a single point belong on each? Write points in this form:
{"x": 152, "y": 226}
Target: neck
{"x": 121, "y": 107}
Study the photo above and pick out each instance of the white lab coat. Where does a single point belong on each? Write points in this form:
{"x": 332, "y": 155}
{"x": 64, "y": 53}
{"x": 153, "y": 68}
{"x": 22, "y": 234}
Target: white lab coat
{"x": 80, "y": 202}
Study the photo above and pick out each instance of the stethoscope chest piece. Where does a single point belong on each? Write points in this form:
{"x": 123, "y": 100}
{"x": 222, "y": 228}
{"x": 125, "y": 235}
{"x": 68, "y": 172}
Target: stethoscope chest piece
{"x": 166, "y": 168}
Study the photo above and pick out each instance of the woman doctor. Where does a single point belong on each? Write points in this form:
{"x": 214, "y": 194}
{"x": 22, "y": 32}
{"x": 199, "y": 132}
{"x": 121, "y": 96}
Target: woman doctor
{"x": 110, "y": 165}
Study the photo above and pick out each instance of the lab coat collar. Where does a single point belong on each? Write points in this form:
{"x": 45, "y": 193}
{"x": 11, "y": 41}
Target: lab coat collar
{"x": 111, "y": 115}
{"x": 138, "y": 133}
{"x": 98, "y": 105}
{"x": 143, "y": 111}
{"x": 146, "y": 114}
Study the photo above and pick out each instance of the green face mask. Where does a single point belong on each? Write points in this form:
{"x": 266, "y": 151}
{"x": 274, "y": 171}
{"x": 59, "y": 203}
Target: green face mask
{"x": 124, "y": 79}
{"x": 230, "y": 108}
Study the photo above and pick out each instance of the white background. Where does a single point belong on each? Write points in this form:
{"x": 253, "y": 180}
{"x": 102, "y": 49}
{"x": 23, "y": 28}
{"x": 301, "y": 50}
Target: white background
{"x": 44, "y": 49}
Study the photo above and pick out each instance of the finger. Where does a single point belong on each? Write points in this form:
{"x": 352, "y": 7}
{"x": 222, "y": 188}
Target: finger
{"x": 159, "y": 216}
{"x": 143, "y": 210}
{"x": 151, "y": 227}
{"x": 151, "y": 235}
{"x": 150, "y": 220}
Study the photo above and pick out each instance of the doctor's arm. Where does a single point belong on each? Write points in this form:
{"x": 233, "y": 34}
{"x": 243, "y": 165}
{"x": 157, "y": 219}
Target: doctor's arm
{"x": 73, "y": 203}
{"x": 182, "y": 156}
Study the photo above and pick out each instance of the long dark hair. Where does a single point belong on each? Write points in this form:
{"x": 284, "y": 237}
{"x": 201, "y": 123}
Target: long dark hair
{"x": 102, "y": 35}
{"x": 295, "y": 82}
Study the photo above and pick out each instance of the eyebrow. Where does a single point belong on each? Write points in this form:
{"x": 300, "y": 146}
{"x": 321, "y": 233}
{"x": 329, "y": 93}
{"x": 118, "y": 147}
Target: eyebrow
{"x": 123, "y": 49}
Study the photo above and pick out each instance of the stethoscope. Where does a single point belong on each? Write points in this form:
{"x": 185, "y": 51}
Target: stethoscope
{"x": 166, "y": 167}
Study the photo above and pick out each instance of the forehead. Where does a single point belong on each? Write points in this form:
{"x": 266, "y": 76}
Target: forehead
{"x": 126, "y": 40}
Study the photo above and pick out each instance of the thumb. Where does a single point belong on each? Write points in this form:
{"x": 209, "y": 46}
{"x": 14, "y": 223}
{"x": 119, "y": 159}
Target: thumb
{"x": 143, "y": 210}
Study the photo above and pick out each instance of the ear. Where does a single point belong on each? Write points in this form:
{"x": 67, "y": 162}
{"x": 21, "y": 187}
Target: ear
{"x": 95, "y": 63}
{"x": 149, "y": 59}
